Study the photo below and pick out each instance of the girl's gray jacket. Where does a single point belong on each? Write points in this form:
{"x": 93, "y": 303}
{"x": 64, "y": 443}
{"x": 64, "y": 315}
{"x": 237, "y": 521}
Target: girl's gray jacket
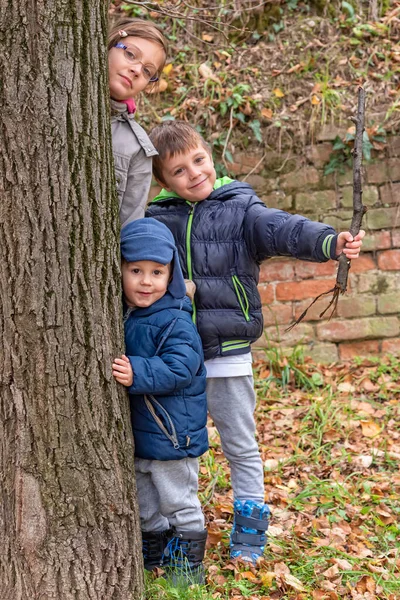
{"x": 132, "y": 151}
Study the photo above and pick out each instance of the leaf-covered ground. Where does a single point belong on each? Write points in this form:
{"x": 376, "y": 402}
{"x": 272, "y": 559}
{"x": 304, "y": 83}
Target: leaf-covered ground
{"x": 330, "y": 442}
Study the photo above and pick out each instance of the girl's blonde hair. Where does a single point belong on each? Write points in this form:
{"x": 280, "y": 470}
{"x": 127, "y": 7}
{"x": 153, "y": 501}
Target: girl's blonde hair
{"x": 139, "y": 28}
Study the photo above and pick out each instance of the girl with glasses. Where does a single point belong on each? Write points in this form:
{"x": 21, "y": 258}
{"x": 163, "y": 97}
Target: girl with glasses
{"x": 137, "y": 51}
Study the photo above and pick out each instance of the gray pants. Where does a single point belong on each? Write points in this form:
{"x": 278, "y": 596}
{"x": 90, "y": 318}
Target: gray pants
{"x": 231, "y": 403}
{"x": 167, "y": 493}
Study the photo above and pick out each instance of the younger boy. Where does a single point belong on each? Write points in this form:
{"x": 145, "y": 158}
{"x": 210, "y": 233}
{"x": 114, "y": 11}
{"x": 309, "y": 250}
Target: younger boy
{"x": 164, "y": 372}
{"x": 223, "y": 232}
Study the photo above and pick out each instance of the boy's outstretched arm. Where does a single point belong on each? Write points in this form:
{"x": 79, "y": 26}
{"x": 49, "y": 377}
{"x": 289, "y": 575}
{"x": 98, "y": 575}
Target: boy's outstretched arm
{"x": 122, "y": 370}
{"x": 348, "y": 245}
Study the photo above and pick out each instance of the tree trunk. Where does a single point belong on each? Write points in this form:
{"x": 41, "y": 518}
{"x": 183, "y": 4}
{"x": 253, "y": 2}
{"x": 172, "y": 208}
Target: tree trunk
{"x": 68, "y": 514}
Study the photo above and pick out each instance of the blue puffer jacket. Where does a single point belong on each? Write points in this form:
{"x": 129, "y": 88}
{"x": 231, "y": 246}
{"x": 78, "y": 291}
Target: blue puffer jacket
{"x": 221, "y": 242}
{"x": 167, "y": 398}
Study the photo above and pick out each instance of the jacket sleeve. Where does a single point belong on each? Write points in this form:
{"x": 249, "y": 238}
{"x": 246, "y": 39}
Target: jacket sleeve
{"x": 137, "y": 188}
{"x": 272, "y": 232}
{"x": 173, "y": 368}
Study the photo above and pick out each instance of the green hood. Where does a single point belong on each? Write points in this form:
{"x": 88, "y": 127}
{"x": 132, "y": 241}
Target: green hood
{"x": 166, "y": 194}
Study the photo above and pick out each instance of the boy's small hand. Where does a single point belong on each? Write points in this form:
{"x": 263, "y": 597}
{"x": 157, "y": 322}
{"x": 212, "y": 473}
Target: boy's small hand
{"x": 349, "y": 246}
{"x": 122, "y": 370}
{"x": 190, "y": 288}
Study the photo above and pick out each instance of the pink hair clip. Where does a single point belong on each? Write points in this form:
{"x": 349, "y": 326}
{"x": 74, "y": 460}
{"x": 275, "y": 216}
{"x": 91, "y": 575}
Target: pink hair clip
{"x": 122, "y": 33}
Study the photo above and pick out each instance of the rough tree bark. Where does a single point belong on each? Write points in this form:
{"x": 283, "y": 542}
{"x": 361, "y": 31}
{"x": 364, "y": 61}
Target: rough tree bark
{"x": 68, "y": 515}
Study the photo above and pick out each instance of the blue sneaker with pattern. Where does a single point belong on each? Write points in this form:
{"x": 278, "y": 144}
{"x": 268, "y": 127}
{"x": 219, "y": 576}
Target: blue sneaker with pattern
{"x": 248, "y": 538}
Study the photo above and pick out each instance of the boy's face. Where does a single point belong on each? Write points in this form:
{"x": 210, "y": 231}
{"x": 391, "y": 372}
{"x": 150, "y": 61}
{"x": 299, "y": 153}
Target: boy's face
{"x": 144, "y": 282}
{"x": 191, "y": 175}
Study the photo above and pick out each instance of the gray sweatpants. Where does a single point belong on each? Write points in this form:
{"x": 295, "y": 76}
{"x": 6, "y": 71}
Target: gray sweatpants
{"x": 231, "y": 403}
{"x": 167, "y": 493}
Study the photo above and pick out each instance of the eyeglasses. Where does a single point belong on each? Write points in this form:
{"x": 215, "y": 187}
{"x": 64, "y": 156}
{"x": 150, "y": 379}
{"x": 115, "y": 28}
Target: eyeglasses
{"x": 149, "y": 71}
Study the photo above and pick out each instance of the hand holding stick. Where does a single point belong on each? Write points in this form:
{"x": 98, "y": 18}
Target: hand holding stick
{"x": 358, "y": 213}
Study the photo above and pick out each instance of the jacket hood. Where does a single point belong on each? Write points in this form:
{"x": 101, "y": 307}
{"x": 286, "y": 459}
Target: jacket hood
{"x": 223, "y": 189}
{"x": 149, "y": 239}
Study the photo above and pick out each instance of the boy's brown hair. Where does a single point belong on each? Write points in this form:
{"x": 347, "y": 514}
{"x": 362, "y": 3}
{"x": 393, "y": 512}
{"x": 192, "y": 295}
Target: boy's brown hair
{"x": 171, "y": 138}
{"x": 139, "y": 28}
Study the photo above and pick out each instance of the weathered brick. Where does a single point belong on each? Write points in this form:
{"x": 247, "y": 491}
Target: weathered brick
{"x": 368, "y": 348}
{"x": 377, "y": 282}
{"x": 315, "y": 201}
{"x": 319, "y": 154}
{"x": 267, "y": 293}
{"x": 394, "y": 169}
{"x": 391, "y": 346}
{"x": 306, "y": 177}
{"x": 277, "y": 314}
{"x": 278, "y": 199}
{"x": 329, "y": 132}
{"x": 307, "y": 270}
{"x": 235, "y": 168}
{"x": 345, "y": 178}
{"x": 364, "y": 262}
{"x": 340, "y": 221}
{"x": 356, "y": 306}
{"x": 277, "y": 269}
{"x": 377, "y": 240}
{"x": 388, "y": 304}
{"x": 389, "y": 260}
{"x": 370, "y": 196}
{"x": 381, "y": 218}
{"x": 256, "y": 181}
{"x": 358, "y": 329}
{"x": 396, "y": 238}
{"x": 314, "y": 311}
{"x": 393, "y": 145}
{"x": 302, "y": 333}
{"x": 390, "y": 193}
{"x": 303, "y": 289}
{"x": 250, "y": 160}
{"x": 323, "y": 353}
{"x": 377, "y": 172}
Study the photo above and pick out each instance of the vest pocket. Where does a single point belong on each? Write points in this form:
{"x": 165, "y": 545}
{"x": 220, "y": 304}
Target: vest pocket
{"x": 241, "y": 296}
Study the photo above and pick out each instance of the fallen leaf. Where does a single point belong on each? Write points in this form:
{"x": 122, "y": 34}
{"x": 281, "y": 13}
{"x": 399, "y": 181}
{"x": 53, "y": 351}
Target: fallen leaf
{"x": 167, "y": 69}
{"x": 345, "y": 386}
{"x": 332, "y": 572}
{"x": 161, "y": 86}
{"x": 248, "y": 575}
{"x": 267, "y": 113}
{"x": 364, "y": 460}
{"x": 207, "y": 73}
{"x": 278, "y": 93}
{"x": 267, "y": 578}
{"x": 370, "y": 429}
{"x": 293, "y": 582}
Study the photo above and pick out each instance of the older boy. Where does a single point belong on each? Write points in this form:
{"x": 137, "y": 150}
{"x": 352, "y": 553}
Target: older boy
{"x": 223, "y": 232}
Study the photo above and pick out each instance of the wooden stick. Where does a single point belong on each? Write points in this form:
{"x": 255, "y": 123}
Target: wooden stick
{"x": 358, "y": 213}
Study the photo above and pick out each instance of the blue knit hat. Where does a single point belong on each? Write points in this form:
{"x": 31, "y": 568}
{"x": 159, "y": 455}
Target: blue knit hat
{"x": 148, "y": 239}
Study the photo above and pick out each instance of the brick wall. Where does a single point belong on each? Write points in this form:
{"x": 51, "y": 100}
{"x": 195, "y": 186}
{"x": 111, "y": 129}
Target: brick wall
{"x": 367, "y": 321}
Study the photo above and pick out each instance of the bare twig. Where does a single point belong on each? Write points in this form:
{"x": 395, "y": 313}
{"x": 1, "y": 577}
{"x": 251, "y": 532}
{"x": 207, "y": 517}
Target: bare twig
{"x": 358, "y": 213}
{"x": 256, "y": 167}
{"x": 227, "y": 138}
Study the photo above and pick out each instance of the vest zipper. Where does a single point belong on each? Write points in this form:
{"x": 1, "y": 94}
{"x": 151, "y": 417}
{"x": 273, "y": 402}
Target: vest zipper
{"x": 189, "y": 252}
